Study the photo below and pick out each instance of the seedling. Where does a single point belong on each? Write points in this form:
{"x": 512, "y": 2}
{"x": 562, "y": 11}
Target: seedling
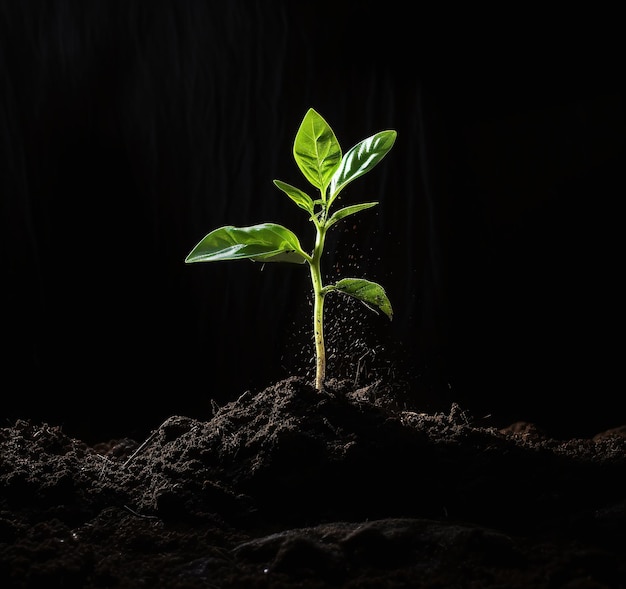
{"x": 319, "y": 157}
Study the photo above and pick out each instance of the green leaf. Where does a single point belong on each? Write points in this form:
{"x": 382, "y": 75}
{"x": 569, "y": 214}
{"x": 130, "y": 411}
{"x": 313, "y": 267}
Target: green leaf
{"x": 266, "y": 242}
{"x": 371, "y": 294}
{"x": 302, "y": 199}
{"x": 361, "y": 159}
{"x": 341, "y": 213}
{"x": 316, "y": 150}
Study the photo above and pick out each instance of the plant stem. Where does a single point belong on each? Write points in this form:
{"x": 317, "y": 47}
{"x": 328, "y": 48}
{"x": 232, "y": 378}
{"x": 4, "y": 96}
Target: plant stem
{"x": 318, "y": 308}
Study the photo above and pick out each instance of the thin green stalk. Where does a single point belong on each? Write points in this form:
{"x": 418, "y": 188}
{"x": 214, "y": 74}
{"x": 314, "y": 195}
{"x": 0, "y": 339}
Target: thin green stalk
{"x": 318, "y": 307}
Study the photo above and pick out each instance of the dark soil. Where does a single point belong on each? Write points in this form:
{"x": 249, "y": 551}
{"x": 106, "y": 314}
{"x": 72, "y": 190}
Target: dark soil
{"x": 294, "y": 488}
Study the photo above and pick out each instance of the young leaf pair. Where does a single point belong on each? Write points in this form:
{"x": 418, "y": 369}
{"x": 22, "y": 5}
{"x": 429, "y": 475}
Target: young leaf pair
{"x": 319, "y": 157}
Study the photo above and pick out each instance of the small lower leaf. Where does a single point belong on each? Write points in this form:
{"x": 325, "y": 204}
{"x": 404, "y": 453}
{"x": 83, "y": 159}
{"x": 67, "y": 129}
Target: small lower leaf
{"x": 370, "y": 293}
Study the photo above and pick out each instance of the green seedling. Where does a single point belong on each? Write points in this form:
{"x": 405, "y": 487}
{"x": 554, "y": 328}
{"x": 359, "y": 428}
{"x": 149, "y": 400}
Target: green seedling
{"x": 319, "y": 157}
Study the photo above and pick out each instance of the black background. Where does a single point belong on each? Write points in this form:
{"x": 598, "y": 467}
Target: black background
{"x": 128, "y": 130}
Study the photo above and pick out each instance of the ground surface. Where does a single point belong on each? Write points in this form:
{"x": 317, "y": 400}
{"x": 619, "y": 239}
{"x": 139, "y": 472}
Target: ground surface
{"x": 291, "y": 488}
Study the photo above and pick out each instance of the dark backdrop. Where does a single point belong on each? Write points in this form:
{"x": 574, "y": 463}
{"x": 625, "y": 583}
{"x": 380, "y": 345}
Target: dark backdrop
{"x": 130, "y": 129}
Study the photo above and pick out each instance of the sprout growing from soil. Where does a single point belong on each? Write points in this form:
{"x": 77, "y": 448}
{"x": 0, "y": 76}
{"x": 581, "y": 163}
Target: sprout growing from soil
{"x": 320, "y": 159}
